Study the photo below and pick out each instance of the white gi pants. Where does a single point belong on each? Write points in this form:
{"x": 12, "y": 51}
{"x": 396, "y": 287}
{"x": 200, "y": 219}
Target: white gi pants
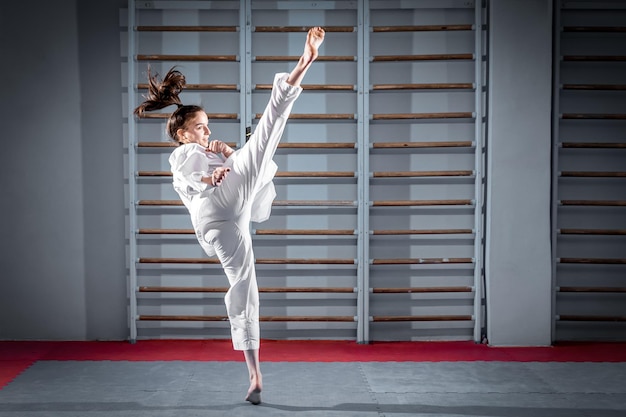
{"x": 223, "y": 214}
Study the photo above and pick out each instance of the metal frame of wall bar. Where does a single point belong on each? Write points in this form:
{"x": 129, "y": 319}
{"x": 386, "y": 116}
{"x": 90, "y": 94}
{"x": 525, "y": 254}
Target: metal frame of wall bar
{"x": 478, "y": 167}
{"x": 132, "y": 168}
{"x": 245, "y": 69}
{"x": 362, "y": 248}
{"x": 245, "y": 93}
{"x": 556, "y": 82}
{"x": 479, "y": 7}
{"x": 363, "y": 167}
{"x": 363, "y": 8}
{"x": 559, "y": 8}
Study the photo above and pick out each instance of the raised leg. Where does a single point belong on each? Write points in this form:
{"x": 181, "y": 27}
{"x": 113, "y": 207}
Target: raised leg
{"x": 252, "y": 167}
{"x": 314, "y": 39}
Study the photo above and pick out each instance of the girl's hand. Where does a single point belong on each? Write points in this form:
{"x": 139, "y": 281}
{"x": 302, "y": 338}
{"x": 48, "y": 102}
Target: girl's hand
{"x": 219, "y": 175}
{"x": 218, "y": 146}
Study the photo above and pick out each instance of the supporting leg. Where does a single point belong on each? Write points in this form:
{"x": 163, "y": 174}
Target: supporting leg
{"x": 256, "y": 382}
{"x": 233, "y": 245}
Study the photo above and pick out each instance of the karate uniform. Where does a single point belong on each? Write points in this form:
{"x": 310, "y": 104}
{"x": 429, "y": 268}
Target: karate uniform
{"x": 221, "y": 215}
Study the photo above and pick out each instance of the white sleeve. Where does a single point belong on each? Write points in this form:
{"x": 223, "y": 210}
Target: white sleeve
{"x": 188, "y": 168}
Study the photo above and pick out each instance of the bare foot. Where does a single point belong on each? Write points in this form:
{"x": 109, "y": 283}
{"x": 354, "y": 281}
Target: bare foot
{"x": 254, "y": 392}
{"x": 314, "y": 39}
{"x": 254, "y": 395}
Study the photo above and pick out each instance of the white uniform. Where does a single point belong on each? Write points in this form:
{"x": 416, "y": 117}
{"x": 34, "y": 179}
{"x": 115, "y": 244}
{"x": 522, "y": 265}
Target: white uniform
{"x": 221, "y": 215}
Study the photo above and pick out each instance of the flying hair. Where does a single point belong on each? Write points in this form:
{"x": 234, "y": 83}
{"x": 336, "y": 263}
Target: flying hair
{"x": 162, "y": 93}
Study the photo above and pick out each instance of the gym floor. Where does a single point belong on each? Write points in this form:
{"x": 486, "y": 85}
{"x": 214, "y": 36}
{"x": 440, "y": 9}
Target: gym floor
{"x": 308, "y": 378}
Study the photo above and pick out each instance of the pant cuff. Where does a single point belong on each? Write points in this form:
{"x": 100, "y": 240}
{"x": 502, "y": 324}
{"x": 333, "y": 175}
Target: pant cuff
{"x": 246, "y": 345}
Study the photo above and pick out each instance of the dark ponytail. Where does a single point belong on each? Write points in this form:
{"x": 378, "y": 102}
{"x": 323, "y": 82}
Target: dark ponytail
{"x": 163, "y": 93}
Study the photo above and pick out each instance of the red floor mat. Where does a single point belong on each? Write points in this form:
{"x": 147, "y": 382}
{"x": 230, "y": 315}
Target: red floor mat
{"x": 15, "y": 357}
{"x": 9, "y": 370}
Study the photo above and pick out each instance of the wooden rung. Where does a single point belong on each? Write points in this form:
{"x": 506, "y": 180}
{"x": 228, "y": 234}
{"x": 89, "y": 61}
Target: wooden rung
{"x": 593, "y": 145}
{"x": 594, "y": 86}
{"x": 211, "y": 261}
{"x": 592, "y": 232}
{"x": 431, "y": 57}
{"x": 171, "y": 144}
{"x": 315, "y": 174}
{"x": 423, "y": 232}
{"x": 279, "y": 203}
{"x": 209, "y": 115}
{"x": 184, "y": 289}
{"x": 398, "y": 174}
{"x": 404, "y": 203}
{"x": 157, "y": 145}
{"x": 303, "y": 232}
{"x": 146, "y": 317}
{"x": 160, "y": 203}
{"x": 188, "y": 58}
{"x": 432, "y": 86}
{"x": 187, "y": 28}
{"x": 350, "y": 232}
{"x": 285, "y": 261}
{"x": 305, "y": 261}
{"x": 261, "y": 290}
{"x": 593, "y": 261}
{"x": 285, "y": 174}
{"x": 389, "y": 145}
{"x": 591, "y": 318}
{"x": 314, "y": 203}
{"x": 603, "y": 203}
{"x": 593, "y": 116}
{"x": 421, "y": 318}
{"x": 405, "y": 116}
{"x": 593, "y": 174}
{"x": 331, "y": 290}
{"x": 593, "y": 289}
{"x": 420, "y": 290}
{"x": 154, "y": 174}
{"x": 311, "y": 116}
{"x": 594, "y": 58}
{"x": 321, "y": 87}
{"x": 263, "y": 318}
{"x": 421, "y": 28}
{"x": 301, "y": 29}
{"x": 295, "y": 58}
{"x": 201, "y": 87}
{"x": 594, "y": 29}
{"x": 309, "y": 318}
{"x": 422, "y": 261}
{"x": 315, "y": 145}
{"x": 166, "y": 232}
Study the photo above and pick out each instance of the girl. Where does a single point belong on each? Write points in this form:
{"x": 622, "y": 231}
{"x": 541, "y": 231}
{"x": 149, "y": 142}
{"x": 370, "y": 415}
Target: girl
{"x": 224, "y": 190}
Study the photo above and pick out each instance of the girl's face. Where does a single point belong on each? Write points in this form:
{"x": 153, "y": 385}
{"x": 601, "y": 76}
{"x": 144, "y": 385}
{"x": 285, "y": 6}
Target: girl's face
{"x": 196, "y": 130}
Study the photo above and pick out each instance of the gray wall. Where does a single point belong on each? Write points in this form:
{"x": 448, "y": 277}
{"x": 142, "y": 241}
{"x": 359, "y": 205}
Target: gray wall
{"x": 62, "y": 259}
{"x": 63, "y": 247}
{"x": 518, "y": 260}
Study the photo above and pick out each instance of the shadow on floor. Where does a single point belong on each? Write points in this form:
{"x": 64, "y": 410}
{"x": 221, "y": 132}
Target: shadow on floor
{"x": 495, "y": 411}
